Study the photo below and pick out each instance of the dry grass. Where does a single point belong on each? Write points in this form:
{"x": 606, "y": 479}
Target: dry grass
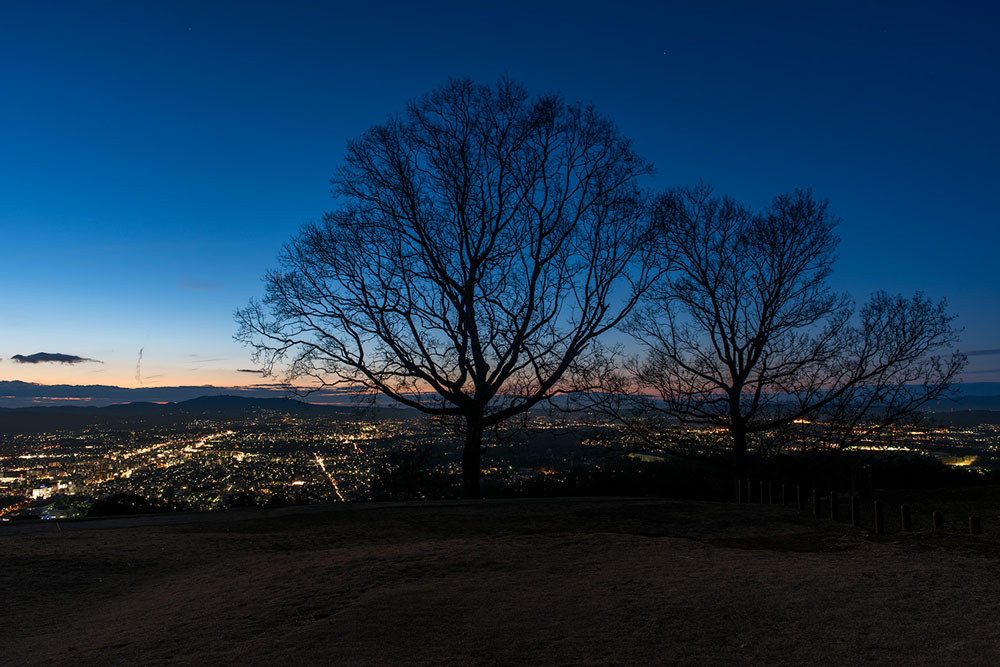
{"x": 575, "y": 582}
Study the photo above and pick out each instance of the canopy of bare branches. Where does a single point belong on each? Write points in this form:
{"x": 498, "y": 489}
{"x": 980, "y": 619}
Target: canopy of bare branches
{"x": 480, "y": 242}
{"x": 745, "y": 333}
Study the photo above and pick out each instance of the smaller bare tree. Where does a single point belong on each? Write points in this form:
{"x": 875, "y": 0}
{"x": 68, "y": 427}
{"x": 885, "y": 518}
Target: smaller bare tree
{"x": 746, "y": 335}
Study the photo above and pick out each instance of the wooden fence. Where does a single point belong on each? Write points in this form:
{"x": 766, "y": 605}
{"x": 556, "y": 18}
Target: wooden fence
{"x": 830, "y": 503}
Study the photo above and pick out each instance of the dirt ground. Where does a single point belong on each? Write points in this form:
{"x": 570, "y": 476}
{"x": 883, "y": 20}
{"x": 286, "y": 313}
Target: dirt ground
{"x": 554, "y": 582}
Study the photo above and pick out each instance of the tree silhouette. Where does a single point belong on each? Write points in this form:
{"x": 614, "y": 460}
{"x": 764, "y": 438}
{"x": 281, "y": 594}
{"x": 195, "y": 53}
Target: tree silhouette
{"x": 482, "y": 240}
{"x": 746, "y": 334}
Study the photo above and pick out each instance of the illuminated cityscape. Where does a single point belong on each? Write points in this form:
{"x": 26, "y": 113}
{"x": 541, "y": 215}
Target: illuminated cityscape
{"x": 202, "y": 464}
{"x": 270, "y": 457}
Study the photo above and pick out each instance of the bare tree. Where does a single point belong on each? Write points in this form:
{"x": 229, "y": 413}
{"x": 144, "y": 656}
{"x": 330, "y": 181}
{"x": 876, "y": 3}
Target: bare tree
{"x": 482, "y": 240}
{"x": 745, "y": 333}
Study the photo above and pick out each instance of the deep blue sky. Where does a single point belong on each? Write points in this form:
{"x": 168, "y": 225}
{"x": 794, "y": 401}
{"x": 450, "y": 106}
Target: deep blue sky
{"x": 154, "y": 156}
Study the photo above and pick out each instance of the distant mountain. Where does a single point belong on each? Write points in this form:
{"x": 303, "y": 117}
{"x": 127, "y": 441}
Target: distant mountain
{"x": 16, "y": 394}
{"x": 77, "y": 403}
{"x": 44, "y": 418}
{"x": 222, "y": 404}
{"x": 964, "y": 418}
{"x": 228, "y": 404}
{"x": 967, "y": 403}
{"x": 967, "y": 389}
{"x": 969, "y": 396}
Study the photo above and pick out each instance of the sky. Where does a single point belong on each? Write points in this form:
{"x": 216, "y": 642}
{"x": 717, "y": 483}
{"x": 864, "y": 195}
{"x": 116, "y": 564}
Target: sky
{"x": 155, "y": 156}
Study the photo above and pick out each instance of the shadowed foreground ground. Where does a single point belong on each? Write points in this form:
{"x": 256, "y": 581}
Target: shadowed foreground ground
{"x": 582, "y": 582}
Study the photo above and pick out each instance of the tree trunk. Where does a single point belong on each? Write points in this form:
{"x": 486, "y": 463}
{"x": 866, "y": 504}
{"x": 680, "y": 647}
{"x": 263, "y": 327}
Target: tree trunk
{"x": 737, "y": 428}
{"x": 471, "y": 459}
{"x": 739, "y": 452}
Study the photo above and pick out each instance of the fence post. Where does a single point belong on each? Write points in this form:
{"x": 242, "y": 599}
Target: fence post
{"x": 937, "y": 521}
{"x": 856, "y": 511}
{"x": 770, "y": 493}
{"x": 784, "y": 494}
{"x": 761, "y": 485}
{"x": 879, "y": 518}
{"x": 975, "y": 527}
{"x": 905, "y": 522}
{"x": 834, "y": 506}
{"x": 815, "y": 501}
{"x": 798, "y": 497}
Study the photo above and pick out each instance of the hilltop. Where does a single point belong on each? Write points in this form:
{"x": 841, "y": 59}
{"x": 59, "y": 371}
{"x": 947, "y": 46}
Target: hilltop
{"x": 576, "y": 581}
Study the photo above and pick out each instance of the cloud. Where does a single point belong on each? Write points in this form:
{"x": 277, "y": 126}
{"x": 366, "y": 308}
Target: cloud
{"x": 51, "y": 357}
{"x": 982, "y": 353}
{"x": 249, "y": 370}
{"x": 197, "y": 284}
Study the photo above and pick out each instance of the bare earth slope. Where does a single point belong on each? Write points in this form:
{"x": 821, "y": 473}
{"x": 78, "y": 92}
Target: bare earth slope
{"x": 575, "y": 582}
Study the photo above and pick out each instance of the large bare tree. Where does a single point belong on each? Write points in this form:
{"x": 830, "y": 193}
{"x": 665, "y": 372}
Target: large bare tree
{"x": 481, "y": 241}
{"x": 745, "y": 333}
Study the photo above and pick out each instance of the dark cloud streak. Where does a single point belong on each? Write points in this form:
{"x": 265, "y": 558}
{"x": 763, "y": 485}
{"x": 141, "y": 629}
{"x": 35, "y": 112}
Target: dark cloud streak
{"x": 52, "y": 358}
